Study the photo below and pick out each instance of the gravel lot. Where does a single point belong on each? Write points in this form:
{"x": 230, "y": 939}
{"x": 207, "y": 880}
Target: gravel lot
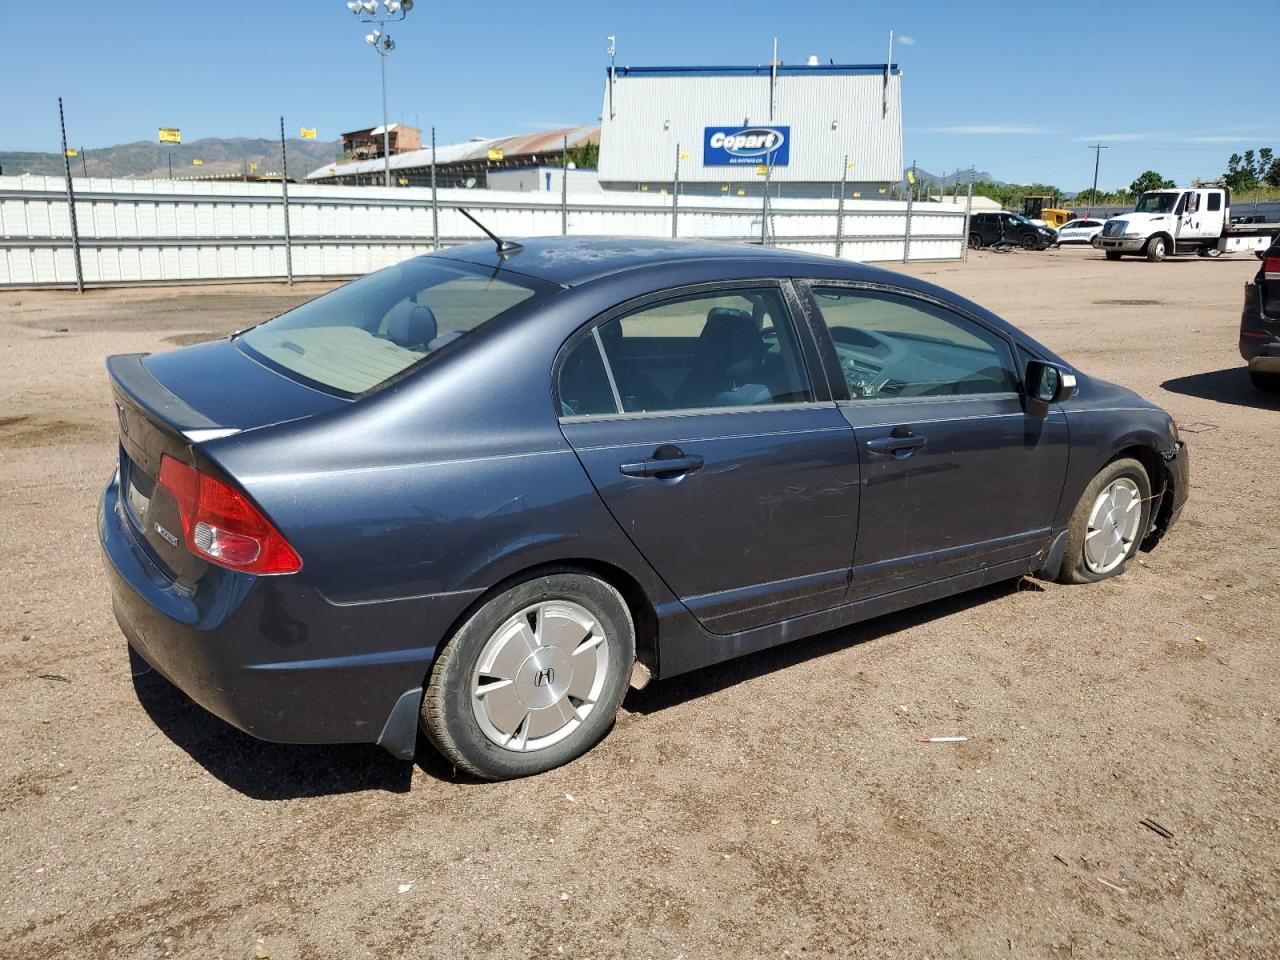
{"x": 775, "y": 806}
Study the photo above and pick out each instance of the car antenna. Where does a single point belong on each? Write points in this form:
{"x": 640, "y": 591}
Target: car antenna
{"x": 504, "y": 246}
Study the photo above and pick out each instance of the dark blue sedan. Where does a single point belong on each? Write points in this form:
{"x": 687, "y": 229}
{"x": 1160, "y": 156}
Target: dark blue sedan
{"x": 481, "y": 492}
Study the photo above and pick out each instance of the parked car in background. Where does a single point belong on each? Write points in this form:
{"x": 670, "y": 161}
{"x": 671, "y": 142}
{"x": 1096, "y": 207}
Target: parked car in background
{"x": 469, "y": 492}
{"x": 997, "y": 227}
{"x": 1079, "y": 231}
{"x": 1260, "y": 322}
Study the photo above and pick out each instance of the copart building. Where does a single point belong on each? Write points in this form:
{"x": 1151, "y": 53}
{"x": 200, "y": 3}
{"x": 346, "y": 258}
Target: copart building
{"x": 802, "y": 128}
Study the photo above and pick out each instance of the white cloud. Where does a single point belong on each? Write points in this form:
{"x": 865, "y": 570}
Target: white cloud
{"x": 983, "y": 129}
{"x": 1132, "y": 137}
{"x": 907, "y": 41}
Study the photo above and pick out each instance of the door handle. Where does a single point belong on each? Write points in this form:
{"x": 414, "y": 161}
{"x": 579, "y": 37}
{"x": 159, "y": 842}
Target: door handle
{"x": 662, "y": 466}
{"x": 899, "y": 447}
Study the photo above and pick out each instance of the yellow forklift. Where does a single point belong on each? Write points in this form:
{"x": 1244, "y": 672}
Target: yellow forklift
{"x": 1046, "y": 210}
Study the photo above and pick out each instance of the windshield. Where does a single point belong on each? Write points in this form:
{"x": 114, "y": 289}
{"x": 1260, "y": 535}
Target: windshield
{"x": 1156, "y": 203}
{"x": 367, "y": 332}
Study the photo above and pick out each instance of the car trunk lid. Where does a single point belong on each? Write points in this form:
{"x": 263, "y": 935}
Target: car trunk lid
{"x": 169, "y": 405}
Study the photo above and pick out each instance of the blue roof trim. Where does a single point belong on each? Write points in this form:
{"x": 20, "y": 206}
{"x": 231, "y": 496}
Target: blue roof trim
{"x": 760, "y": 70}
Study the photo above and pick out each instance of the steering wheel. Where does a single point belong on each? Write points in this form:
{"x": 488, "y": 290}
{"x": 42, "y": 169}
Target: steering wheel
{"x": 865, "y": 368}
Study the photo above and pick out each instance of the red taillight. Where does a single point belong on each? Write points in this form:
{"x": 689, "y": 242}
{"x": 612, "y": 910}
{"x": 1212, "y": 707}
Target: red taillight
{"x": 221, "y": 525}
{"x": 1271, "y": 268}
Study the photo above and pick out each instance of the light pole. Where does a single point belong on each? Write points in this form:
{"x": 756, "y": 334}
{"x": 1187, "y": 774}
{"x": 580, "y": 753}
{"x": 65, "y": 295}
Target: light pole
{"x": 1097, "y": 149}
{"x": 389, "y": 11}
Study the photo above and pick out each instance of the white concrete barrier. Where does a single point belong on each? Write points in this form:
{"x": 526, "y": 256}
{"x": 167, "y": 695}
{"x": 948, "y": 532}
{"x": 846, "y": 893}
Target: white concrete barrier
{"x": 139, "y": 231}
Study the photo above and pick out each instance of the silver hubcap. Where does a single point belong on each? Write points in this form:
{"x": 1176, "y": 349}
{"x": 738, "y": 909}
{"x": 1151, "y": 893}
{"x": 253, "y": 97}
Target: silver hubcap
{"x": 1113, "y": 526}
{"x": 540, "y": 675}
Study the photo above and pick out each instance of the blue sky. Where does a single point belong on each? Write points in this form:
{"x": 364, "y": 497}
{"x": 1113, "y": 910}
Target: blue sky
{"x": 985, "y": 84}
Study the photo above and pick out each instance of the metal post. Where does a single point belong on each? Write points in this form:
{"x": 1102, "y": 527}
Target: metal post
{"x": 84, "y": 164}
{"x": 1097, "y": 149}
{"x": 284, "y": 186}
{"x": 71, "y": 201}
{"x": 170, "y": 164}
{"x": 564, "y": 189}
{"x": 764, "y": 205}
{"x": 386, "y": 134}
{"x": 675, "y": 195}
{"x": 906, "y": 240}
{"x": 435, "y": 200}
{"x": 844, "y": 179}
{"x": 968, "y": 209}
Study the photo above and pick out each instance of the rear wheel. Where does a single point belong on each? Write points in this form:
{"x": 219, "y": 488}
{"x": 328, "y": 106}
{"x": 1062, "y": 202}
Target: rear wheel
{"x": 1212, "y": 252}
{"x": 1108, "y": 524}
{"x": 1095, "y": 243}
{"x": 1113, "y": 254}
{"x": 533, "y": 679}
{"x": 1265, "y": 380}
{"x": 975, "y": 241}
{"x": 1156, "y": 249}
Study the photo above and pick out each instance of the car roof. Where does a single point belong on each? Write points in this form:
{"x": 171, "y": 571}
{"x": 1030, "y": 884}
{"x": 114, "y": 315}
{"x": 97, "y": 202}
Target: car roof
{"x": 570, "y": 261}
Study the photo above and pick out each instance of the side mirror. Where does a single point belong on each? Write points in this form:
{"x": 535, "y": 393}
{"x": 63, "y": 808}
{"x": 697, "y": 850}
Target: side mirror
{"x": 1049, "y": 383}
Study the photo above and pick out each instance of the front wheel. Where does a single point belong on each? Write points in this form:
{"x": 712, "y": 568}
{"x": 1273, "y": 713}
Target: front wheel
{"x": 1156, "y": 249}
{"x": 1108, "y": 524}
{"x": 1029, "y": 242}
{"x": 533, "y": 679}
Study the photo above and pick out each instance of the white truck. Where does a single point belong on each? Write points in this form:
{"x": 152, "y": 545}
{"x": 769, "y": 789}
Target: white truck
{"x": 1193, "y": 220}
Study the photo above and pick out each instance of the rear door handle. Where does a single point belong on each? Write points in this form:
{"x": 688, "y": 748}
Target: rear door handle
{"x": 899, "y": 447}
{"x": 661, "y": 467}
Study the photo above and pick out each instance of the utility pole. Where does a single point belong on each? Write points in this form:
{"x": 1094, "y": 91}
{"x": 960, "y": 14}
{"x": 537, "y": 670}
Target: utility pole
{"x": 1097, "y": 149}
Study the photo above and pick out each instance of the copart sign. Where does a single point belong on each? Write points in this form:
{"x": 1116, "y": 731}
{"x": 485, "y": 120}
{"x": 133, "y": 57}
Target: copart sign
{"x": 729, "y": 146}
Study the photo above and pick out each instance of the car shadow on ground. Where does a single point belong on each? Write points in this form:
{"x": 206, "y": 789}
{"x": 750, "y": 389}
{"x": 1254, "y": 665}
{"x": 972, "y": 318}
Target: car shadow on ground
{"x": 1225, "y": 386}
{"x": 261, "y": 770}
{"x": 690, "y": 686}
{"x": 275, "y": 771}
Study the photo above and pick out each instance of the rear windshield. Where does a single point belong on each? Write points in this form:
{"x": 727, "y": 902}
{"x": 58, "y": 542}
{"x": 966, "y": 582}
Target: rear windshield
{"x": 361, "y": 335}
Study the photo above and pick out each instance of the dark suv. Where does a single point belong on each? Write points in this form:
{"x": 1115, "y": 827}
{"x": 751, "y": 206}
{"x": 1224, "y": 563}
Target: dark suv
{"x": 1260, "y": 323}
{"x": 989, "y": 229}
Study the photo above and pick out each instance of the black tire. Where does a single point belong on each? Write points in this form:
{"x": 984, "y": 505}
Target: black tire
{"x": 1157, "y": 249}
{"x": 1074, "y": 569}
{"x": 1265, "y": 380}
{"x": 975, "y": 241}
{"x": 1095, "y": 242}
{"x": 1113, "y": 254}
{"x": 1029, "y": 241}
{"x": 448, "y": 718}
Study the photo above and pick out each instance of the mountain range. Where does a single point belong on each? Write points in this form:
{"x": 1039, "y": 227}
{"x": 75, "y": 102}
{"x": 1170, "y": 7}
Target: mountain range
{"x": 146, "y": 159}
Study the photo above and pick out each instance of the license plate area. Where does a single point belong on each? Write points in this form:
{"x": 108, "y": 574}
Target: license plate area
{"x": 138, "y": 491}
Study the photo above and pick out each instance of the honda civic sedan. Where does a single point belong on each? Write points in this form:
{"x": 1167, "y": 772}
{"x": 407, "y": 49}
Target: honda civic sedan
{"x": 480, "y": 493}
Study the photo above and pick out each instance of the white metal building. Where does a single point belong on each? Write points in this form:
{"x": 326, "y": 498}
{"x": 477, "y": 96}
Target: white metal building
{"x": 728, "y": 124}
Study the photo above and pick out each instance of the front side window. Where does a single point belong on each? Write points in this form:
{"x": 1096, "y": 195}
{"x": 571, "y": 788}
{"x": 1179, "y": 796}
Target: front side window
{"x": 730, "y": 348}
{"x": 893, "y": 346}
{"x": 368, "y": 332}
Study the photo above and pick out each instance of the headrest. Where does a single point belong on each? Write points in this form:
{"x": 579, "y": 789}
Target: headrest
{"x": 411, "y": 325}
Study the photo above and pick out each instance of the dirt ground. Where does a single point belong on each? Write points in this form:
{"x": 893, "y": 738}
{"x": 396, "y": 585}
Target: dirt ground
{"x": 777, "y": 806}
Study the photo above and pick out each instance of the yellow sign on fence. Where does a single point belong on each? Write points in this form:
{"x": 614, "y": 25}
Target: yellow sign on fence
{"x": 197, "y": 162}
{"x": 495, "y": 153}
{"x": 253, "y": 168}
{"x": 170, "y": 135}
{"x": 71, "y": 152}
{"x": 911, "y": 177}
{"x": 308, "y": 134}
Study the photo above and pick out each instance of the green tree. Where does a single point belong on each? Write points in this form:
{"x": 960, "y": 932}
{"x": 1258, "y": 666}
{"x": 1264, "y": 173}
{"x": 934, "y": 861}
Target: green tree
{"x": 1150, "y": 180}
{"x": 584, "y": 157}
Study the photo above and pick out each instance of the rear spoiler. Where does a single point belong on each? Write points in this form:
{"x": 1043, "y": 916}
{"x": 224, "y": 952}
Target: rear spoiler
{"x": 148, "y": 393}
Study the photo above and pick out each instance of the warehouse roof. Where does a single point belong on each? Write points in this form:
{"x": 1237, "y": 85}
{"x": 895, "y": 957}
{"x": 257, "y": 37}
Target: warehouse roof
{"x": 759, "y": 70}
{"x": 524, "y": 145}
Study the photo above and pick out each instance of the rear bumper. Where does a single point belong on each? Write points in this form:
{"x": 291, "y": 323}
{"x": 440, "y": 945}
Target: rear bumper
{"x": 1259, "y": 334}
{"x": 270, "y": 655}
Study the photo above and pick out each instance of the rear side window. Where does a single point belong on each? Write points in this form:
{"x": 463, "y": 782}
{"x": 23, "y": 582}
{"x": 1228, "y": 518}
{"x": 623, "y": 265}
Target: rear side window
{"x": 361, "y": 335}
{"x": 1215, "y": 202}
{"x": 727, "y": 349}
{"x": 893, "y": 346}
